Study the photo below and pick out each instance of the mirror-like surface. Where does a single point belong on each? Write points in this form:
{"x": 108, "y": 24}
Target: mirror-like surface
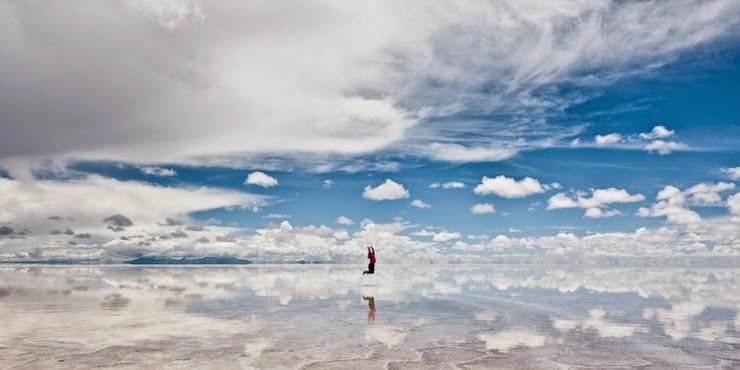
{"x": 329, "y": 316}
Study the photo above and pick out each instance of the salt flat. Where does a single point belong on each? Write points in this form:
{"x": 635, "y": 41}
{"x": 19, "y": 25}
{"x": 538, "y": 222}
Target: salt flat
{"x": 404, "y": 317}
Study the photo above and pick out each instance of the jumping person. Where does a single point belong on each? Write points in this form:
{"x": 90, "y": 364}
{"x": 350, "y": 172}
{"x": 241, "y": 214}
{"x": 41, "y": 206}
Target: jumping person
{"x": 371, "y": 257}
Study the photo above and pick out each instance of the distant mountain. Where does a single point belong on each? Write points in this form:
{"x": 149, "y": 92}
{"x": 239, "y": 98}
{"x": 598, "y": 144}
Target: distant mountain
{"x": 189, "y": 261}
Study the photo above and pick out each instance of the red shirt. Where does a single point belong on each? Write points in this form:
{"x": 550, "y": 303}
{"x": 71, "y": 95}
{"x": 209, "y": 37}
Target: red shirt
{"x": 371, "y": 256}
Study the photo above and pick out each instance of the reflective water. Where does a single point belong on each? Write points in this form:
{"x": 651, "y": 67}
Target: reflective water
{"x": 405, "y": 317}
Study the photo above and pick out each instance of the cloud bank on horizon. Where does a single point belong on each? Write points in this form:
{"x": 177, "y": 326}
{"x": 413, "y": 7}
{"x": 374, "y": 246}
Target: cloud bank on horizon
{"x": 191, "y": 119}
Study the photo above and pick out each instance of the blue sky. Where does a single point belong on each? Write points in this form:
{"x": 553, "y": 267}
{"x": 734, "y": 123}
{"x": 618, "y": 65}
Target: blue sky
{"x": 584, "y": 114}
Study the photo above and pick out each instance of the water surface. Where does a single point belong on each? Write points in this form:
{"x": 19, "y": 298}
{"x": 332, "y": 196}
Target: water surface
{"x": 329, "y": 316}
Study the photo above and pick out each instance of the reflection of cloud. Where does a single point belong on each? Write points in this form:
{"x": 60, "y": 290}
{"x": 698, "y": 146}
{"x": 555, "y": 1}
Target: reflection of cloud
{"x": 511, "y": 338}
{"x": 677, "y": 320}
{"x": 484, "y": 316}
{"x": 389, "y": 335}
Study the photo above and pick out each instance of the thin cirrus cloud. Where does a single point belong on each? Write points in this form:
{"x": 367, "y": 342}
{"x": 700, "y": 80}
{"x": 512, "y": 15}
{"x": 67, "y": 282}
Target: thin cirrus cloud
{"x": 194, "y": 84}
{"x": 388, "y": 190}
{"x": 448, "y": 185}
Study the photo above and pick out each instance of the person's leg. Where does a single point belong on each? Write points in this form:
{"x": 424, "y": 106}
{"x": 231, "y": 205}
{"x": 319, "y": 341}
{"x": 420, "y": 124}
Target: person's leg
{"x": 371, "y": 268}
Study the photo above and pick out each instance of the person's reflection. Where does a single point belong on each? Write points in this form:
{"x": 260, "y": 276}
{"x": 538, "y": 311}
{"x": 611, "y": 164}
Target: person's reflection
{"x": 370, "y": 309}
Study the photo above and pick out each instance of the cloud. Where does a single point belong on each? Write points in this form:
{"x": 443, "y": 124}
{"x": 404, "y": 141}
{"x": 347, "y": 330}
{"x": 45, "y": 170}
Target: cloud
{"x": 482, "y": 209}
{"x": 507, "y": 339}
{"x": 732, "y": 172}
{"x": 29, "y": 205}
{"x": 733, "y": 204}
{"x": 461, "y": 153}
{"x": 673, "y": 203}
{"x": 419, "y": 204}
{"x": 342, "y": 220}
{"x": 157, "y": 171}
{"x": 389, "y": 190}
{"x": 453, "y": 185}
{"x": 658, "y": 132}
{"x": 445, "y": 236}
{"x": 327, "y": 184}
{"x": 665, "y": 147}
{"x": 195, "y": 84}
{"x": 509, "y": 187}
{"x": 260, "y": 179}
{"x": 596, "y": 203}
{"x": 608, "y": 139}
{"x": 276, "y": 216}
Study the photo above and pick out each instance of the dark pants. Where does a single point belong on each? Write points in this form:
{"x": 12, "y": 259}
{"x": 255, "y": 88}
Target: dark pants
{"x": 370, "y": 269}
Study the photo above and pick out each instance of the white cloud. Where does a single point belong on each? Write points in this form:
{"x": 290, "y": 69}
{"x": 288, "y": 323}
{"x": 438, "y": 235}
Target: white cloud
{"x": 260, "y": 178}
{"x": 461, "y": 153}
{"x": 482, "y": 209}
{"x": 658, "y": 132}
{"x": 609, "y": 139}
{"x": 327, "y": 184}
{"x": 434, "y": 185}
{"x": 665, "y": 147}
{"x": 453, "y": 185}
{"x": 246, "y": 91}
{"x": 343, "y": 220}
{"x": 732, "y": 172}
{"x": 509, "y": 187}
{"x": 733, "y": 204}
{"x": 673, "y": 203}
{"x": 596, "y": 203}
{"x": 389, "y": 190}
{"x": 419, "y": 204}
{"x": 276, "y": 216}
{"x": 445, "y": 236}
{"x": 510, "y": 338}
{"x": 157, "y": 171}
{"x": 600, "y": 213}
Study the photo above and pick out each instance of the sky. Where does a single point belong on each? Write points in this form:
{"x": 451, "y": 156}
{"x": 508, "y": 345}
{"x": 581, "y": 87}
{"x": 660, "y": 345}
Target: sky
{"x": 437, "y": 132}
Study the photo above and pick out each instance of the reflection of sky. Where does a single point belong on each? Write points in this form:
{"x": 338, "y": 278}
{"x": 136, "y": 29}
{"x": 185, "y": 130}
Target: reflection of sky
{"x": 315, "y": 316}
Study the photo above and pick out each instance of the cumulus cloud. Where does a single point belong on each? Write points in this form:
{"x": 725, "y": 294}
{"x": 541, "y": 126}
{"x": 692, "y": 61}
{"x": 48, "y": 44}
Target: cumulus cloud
{"x": 343, "y": 220}
{"x": 445, "y": 236}
{"x": 260, "y": 178}
{"x": 507, "y": 187}
{"x": 482, "y": 209}
{"x": 596, "y": 203}
{"x": 158, "y": 171}
{"x": 327, "y": 184}
{"x": 673, "y": 203}
{"x": 389, "y": 190}
{"x": 609, "y": 139}
{"x": 665, "y": 147}
{"x": 658, "y": 132}
{"x": 418, "y": 203}
{"x": 733, "y": 204}
{"x": 732, "y": 172}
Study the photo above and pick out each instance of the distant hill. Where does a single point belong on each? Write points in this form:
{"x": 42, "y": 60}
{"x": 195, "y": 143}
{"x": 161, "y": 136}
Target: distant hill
{"x": 189, "y": 261}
